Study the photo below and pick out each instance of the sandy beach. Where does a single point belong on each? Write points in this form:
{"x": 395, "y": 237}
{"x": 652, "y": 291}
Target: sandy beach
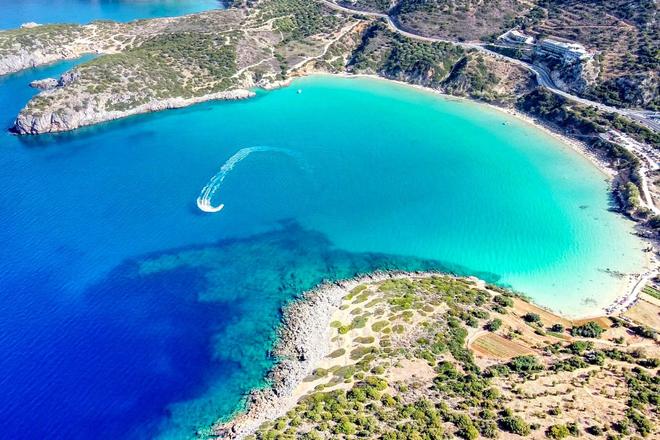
{"x": 633, "y": 282}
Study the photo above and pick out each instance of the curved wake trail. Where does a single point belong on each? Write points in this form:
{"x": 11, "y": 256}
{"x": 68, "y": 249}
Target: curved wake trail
{"x": 204, "y": 200}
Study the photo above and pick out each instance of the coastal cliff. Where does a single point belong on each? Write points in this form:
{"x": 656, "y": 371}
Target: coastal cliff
{"x": 51, "y": 122}
{"x": 359, "y": 357}
{"x": 153, "y": 65}
{"x": 303, "y": 341}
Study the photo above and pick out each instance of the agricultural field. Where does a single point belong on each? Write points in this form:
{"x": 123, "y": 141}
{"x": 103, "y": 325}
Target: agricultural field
{"x": 652, "y": 291}
{"x": 494, "y": 346}
{"x": 646, "y": 311}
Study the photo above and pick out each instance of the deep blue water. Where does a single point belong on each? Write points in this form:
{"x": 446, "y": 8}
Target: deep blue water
{"x": 13, "y": 13}
{"x": 126, "y": 312}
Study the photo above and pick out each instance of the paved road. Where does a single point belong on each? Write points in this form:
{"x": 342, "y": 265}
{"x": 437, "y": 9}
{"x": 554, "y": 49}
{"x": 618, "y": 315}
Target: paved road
{"x": 542, "y": 75}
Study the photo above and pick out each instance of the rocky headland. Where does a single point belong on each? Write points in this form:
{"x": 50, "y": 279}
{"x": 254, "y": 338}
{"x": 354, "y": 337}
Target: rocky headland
{"x": 49, "y": 122}
{"x": 303, "y": 340}
{"x": 151, "y": 65}
{"x": 377, "y": 331}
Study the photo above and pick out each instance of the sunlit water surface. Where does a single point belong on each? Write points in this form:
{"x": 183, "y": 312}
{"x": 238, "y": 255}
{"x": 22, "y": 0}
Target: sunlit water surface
{"x": 14, "y": 13}
{"x": 127, "y": 312}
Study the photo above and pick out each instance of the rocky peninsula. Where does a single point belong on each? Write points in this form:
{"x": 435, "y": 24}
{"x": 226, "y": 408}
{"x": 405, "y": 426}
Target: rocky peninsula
{"x": 438, "y": 355}
{"x": 420, "y": 354}
{"x": 149, "y": 64}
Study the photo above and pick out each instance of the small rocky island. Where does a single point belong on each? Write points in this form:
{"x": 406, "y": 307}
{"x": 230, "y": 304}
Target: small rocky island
{"x": 431, "y": 356}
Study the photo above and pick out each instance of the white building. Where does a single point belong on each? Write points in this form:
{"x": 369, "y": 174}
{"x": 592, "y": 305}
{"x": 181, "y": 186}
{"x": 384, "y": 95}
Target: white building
{"x": 566, "y": 51}
{"x": 516, "y": 37}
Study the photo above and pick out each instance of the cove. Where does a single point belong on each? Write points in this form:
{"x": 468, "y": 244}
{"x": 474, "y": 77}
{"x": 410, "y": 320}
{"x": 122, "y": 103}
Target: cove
{"x": 127, "y": 312}
{"x": 15, "y": 13}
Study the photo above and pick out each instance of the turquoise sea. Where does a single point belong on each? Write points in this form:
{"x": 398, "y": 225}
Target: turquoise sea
{"x": 16, "y": 12}
{"x": 127, "y": 312}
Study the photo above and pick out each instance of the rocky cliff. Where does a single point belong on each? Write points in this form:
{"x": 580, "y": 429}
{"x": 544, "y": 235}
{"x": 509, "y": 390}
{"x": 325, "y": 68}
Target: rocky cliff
{"x": 159, "y": 64}
{"x": 80, "y": 116}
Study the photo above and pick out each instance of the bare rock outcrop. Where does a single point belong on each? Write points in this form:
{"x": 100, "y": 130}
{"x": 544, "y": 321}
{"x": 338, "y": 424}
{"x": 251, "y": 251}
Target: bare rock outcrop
{"x": 27, "y": 59}
{"x": 79, "y": 115}
{"x": 44, "y": 84}
{"x": 303, "y": 340}
{"x": 575, "y": 76}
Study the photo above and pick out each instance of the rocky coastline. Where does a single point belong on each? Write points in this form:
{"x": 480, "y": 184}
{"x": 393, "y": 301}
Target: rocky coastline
{"x": 302, "y": 341}
{"x": 28, "y": 60}
{"x": 53, "y": 122}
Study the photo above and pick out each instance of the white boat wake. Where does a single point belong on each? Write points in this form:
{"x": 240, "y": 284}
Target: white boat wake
{"x": 213, "y": 186}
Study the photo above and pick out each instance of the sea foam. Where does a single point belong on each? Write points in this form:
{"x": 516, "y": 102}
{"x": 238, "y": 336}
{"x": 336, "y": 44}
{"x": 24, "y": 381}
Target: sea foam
{"x": 213, "y": 186}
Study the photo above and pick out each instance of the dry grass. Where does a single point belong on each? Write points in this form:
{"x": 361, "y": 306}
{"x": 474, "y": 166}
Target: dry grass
{"x": 548, "y": 318}
{"x": 646, "y": 311}
{"x": 587, "y": 396}
{"x": 495, "y": 346}
{"x": 602, "y": 321}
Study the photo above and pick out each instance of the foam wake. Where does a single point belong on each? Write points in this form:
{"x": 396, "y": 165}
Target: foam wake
{"x": 204, "y": 201}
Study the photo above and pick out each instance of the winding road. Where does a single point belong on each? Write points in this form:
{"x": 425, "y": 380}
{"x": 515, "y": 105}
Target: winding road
{"x": 543, "y": 77}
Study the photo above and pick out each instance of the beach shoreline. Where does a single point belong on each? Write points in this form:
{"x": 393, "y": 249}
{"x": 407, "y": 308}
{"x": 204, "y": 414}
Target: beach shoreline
{"x": 575, "y": 144}
{"x": 630, "y": 293}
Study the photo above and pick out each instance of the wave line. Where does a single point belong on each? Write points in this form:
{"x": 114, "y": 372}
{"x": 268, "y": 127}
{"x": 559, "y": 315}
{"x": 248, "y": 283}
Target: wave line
{"x": 211, "y": 188}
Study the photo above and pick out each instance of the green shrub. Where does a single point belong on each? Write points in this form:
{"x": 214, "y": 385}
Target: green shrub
{"x": 557, "y": 432}
{"x": 494, "y": 325}
{"x": 524, "y": 365}
{"x": 344, "y": 426}
{"x": 514, "y": 425}
{"x": 579, "y": 347}
{"x": 557, "y": 328}
{"x": 644, "y": 332}
{"x": 487, "y": 428}
{"x": 379, "y": 325}
{"x": 532, "y": 317}
{"x": 337, "y": 353}
{"x": 503, "y": 301}
{"x": 589, "y": 330}
{"x": 573, "y": 429}
{"x": 595, "y": 430}
{"x": 364, "y": 339}
{"x": 641, "y": 423}
{"x": 466, "y": 428}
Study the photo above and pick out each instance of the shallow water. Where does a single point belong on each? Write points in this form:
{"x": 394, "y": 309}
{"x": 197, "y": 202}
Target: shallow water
{"x": 16, "y": 12}
{"x": 129, "y": 313}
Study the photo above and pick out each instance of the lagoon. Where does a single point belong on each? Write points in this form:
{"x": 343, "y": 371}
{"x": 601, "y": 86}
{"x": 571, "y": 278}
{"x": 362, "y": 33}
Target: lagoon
{"x": 127, "y": 312}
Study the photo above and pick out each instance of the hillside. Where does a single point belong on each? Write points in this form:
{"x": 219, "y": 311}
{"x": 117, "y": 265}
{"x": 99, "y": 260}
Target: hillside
{"x": 622, "y": 34}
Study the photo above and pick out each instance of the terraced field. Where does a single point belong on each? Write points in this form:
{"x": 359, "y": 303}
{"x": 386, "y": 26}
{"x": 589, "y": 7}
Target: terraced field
{"x": 494, "y": 346}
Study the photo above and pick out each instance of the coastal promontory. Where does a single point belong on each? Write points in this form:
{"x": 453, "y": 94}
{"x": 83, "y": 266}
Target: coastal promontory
{"x": 432, "y": 356}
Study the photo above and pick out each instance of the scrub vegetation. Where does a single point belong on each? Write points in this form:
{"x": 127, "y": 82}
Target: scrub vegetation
{"x": 442, "y": 66}
{"x": 624, "y": 34}
{"x": 440, "y": 357}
